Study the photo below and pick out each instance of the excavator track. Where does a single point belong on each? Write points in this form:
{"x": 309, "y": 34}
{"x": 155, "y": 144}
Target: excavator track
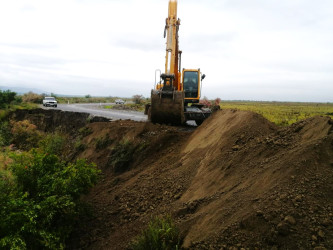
{"x": 167, "y": 107}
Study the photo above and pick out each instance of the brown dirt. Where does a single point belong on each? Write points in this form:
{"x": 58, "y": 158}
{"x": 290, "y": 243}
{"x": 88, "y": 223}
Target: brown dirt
{"x": 236, "y": 181}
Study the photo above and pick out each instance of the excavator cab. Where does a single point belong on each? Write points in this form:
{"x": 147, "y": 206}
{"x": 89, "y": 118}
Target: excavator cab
{"x": 191, "y": 84}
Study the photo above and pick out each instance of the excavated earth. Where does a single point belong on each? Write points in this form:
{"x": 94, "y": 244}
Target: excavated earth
{"x": 236, "y": 182}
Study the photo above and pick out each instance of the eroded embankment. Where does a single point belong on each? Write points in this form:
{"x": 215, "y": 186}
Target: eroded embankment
{"x": 50, "y": 120}
{"x": 237, "y": 180}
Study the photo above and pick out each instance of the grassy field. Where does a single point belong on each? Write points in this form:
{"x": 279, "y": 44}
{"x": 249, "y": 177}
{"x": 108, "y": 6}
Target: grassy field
{"x": 282, "y": 113}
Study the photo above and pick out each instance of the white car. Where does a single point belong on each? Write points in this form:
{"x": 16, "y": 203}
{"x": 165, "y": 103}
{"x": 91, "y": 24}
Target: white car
{"x": 50, "y": 101}
{"x": 120, "y": 101}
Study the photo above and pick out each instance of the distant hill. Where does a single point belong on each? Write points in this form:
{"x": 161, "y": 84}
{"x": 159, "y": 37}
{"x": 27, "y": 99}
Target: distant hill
{"x": 23, "y": 90}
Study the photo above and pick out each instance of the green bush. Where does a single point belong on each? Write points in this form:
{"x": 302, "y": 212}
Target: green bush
{"x": 40, "y": 207}
{"x": 5, "y": 135}
{"x": 25, "y": 134}
{"x": 161, "y": 234}
{"x": 53, "y": 144}
{"x": 6, "y": 97}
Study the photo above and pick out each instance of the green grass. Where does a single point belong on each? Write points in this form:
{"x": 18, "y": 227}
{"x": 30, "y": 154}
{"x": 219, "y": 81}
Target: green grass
{"x": 4, "y": 112}
{"x": 161, "y": 234}
{"x": 283, "y": 113}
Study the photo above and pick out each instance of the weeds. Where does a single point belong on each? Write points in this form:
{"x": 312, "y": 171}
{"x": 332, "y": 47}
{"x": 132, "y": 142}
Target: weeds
{"x": 122, "y": 155}
{"x": 85, "y": 131}
{"x": 79, "y": 146}
{"x": 103, "y": 142}
{"x": 161, "y": 234}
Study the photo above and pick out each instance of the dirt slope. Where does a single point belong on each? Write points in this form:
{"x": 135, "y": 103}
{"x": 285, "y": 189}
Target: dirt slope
{"x": 236, "y": 181}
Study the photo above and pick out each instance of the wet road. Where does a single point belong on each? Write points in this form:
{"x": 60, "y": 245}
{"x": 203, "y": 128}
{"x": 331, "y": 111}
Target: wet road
{"x": 96, "y": 109}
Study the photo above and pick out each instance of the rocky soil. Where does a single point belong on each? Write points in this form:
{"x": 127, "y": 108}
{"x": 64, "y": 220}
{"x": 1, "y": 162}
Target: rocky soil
{"x": 236, "y": 182}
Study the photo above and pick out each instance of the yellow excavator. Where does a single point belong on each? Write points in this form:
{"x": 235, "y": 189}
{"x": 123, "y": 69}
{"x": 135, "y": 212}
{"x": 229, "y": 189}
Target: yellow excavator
{"x": 176, "y": 94}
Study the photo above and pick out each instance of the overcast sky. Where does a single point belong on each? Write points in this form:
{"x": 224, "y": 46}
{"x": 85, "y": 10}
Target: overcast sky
{"x": 278, "y": 50}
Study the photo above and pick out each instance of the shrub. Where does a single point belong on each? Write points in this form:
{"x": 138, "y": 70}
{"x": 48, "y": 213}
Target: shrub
{"x": 32, "y": 97}
{"x": 138, "y": 99}
{"x": 25, "y": 134}
{"x": 5, "y": 134}
{"x": 160, "y": 234}
{"x": 6, "y": 97}
{"x": 103, "y": 142}
{"x": 53, "y": 144}
{"x": 85, "y": 131}
{"x": 40, "y": 209}
{"x": 79, "y": 146}
{"x": 217, "y": 101}
{"x": 205, "y": 102}
{"x": 122, "y": 155}
{"x": 18, "y": 100}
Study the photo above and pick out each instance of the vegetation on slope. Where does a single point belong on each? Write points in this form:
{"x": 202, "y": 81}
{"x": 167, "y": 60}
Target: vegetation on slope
{"x": 40, "y": 188}
{"x": 161, "y": 233}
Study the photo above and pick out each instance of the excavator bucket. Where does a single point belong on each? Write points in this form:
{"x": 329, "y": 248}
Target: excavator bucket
{"x": 167, "y": 108}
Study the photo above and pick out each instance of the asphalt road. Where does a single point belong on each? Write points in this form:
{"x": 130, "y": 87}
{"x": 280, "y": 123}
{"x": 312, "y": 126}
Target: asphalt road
{"x": 96, "y": 109}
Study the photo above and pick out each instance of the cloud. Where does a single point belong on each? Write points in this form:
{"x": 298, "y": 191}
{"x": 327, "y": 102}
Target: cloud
{"x": 135, "y": 42}
{"x": 30, "y": 61}
{"x": 36, "y": 46}
{"x": 262, "y": 50}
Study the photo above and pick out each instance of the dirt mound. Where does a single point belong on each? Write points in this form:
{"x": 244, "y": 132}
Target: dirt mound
{"x": 256, "y": 176}
{"x": 236, "y": 181}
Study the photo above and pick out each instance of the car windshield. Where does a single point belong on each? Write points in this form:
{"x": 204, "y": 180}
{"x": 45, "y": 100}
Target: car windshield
{"x": 50, "y": 98}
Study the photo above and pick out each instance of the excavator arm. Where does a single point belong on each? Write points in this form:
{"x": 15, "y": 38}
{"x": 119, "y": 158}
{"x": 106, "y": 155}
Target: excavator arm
{"x": 172, "y": 45}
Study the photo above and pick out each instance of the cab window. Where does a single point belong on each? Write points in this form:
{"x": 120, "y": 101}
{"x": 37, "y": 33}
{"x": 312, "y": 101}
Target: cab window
{"x": 191, "y": 84}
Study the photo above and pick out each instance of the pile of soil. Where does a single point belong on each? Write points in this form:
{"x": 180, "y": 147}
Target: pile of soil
{"x": 237, "y": 181}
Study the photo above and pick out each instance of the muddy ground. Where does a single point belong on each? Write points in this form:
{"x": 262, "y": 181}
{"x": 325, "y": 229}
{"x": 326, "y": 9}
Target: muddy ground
{"x": 237, "y": 181}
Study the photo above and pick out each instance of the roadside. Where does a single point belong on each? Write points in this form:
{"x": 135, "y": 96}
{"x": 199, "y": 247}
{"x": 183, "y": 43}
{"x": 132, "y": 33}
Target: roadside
{"x": 96, "y": 109}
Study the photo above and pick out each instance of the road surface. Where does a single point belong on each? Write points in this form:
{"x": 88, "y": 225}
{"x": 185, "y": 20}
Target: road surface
{"x": 96, "y": 109}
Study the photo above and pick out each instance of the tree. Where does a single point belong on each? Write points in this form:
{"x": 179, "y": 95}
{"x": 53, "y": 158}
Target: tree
{"x": 137, "y": 99}
{"x": 32, "y": 97}
{"x": 6, "y": 97}
{"x": 217, "y": 101}
{"x": 205, "y": 102}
